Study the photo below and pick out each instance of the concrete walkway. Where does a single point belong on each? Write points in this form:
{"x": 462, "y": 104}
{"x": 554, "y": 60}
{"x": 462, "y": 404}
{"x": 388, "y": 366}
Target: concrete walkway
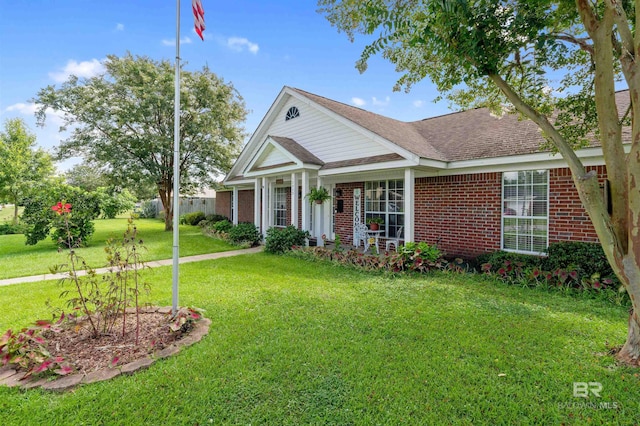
{"x": 150, "y": 264}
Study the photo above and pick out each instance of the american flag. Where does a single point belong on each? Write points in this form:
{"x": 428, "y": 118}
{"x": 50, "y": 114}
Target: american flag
{"x": 198, "y": 17}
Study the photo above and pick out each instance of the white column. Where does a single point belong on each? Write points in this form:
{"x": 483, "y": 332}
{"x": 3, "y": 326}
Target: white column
{"x": 319, "y": 217}
{"x": 409, "y": 205}
{"x": 257, "y": 196}
{"x": 234, "y": 203}
{"x": 294, "y": 199}
{"x": 305, "y": 202}
{"x": 266, "y": 196}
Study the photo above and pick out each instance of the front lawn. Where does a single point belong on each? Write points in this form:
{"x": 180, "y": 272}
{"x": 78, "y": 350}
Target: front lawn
{"x": 303, "y": 343}
{"x": 18, "y": 259}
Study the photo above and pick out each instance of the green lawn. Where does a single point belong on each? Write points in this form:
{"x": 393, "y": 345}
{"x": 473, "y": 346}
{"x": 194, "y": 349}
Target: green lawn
{"x": 18, "y": 259}
{"x": 6, "y": 214}
{"x": 304, "y": 343}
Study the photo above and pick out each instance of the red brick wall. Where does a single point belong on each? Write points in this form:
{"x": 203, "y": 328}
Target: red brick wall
{"x": 460, "y": 213}
{"x": 245, "y": 204}
{"x": 223, "y": 203}
{"x": 568, "y": 220}
{"x": 245, "y": 200}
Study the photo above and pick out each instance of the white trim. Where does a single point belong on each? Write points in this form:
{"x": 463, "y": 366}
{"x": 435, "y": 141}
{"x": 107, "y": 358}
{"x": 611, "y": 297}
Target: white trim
{"x": 234, "y": 205}
{"x": 389, "y": 165}
{"x": 409, "y": 205}
{"x": 257, "y": 196}
{"x": 294, "y": 199}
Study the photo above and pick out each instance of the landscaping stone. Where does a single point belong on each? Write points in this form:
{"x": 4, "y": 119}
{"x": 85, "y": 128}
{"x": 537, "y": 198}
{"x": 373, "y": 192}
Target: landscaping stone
{"x": 100, "y": 375}
{"x": 10, "y": 377}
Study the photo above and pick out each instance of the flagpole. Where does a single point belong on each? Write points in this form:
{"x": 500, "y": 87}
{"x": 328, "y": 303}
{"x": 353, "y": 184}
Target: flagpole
{"x": 176, "y": 170}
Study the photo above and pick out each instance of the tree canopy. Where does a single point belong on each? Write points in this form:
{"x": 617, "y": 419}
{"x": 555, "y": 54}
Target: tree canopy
{"x": 22, "y": 163}
{"x": 123, "y": 122}
{"x": 557, "y": 63}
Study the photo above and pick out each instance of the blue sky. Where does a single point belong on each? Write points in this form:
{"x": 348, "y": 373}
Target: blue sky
{"x": 259, "y": 46}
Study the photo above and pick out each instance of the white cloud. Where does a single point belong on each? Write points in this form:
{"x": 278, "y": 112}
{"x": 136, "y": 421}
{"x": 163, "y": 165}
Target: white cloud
{"x": 22, "y": 108}
{"x": 239, "y": 44}
{"x": 29, "y": 109}
{"x": 418, "y": 103}
{"x": 119, "y": 27}
{"x": 172, "y": 42}
{"x": 381, "y": 103}
{"x": 358, "y": 101}
{"x": 86, "y": 69}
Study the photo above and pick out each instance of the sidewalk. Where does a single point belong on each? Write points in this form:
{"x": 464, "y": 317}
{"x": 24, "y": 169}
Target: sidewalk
{"x": 150, "y": 264}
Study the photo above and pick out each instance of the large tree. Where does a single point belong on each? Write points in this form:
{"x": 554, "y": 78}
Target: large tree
{"x": 21, "y": 163}
{"x": 123, "y": 120}
{"x": 556, "y": 62}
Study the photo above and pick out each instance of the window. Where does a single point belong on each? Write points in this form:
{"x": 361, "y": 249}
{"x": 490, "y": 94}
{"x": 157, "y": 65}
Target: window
{"x": 525, "y": 211}
{"x": 292, "y": 113}
{"x": 280, "y": 207}
{"x": 385, "y": 199}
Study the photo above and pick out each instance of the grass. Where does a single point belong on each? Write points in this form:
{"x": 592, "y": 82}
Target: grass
{"x": 18, "y": 259}
{"x": 299, "y": 343}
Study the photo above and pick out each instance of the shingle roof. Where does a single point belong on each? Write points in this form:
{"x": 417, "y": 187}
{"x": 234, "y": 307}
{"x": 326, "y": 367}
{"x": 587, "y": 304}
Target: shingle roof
{"x": 467, "y": 135}
{"x": 297, "y": 150}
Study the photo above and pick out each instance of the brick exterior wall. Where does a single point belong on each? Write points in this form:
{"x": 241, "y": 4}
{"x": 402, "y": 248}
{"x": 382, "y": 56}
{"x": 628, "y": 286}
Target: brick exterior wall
{"x": 460, "y": 213}
{"x": 245, "y": 200}
{"x": 568, "y": 220}
{"x": 223, "y": 203}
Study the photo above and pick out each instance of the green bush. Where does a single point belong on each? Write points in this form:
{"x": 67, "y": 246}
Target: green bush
{"x": 223, "y": 226}
{"x": 244, "y": 233}
{"x": 587, "y": 259}
{"x": 214, "y": 218}
{"x": 148, "y": 210}
{"x": 192, "y": 219}
{"x": 497, "y": 259}
{"x": 10, "y": 228}
{"x": 40, "y": 219}
{"x": 279, "y": 240}
{"x": 114, "y": 201}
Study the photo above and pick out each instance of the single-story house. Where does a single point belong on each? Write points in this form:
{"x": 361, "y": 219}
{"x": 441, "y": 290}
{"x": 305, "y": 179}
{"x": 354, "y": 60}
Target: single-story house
{"x": 469, "y": 181}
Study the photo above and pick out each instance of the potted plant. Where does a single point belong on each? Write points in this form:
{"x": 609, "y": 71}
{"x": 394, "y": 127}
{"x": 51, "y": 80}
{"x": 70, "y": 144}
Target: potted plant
{"x": 374, "y": 223}
{"x": 318, "y": 195}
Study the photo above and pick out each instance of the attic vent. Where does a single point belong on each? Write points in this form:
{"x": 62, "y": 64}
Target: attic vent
{"x": 292, "y": 113}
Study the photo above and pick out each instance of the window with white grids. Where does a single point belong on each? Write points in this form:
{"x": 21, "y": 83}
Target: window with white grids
{"x": 385, "y": 199}
{"x": 280, "y": 206}
{"x": 525, "y": 211}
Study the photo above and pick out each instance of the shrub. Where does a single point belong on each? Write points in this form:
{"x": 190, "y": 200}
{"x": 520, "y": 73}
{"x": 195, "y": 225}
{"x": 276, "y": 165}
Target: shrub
{"x": 114, "y": 202}
{"x": 279, "y": 240}
{"x": 10, "y": 228}
{"x": 223, "y": 226}
{"x": 245, "y": 233}
{"x": 148, "y": 210}
{"x": 214, "y": 218}
{"x": 419, "y": 257}
{"x": 192, "y": 219}
{"x": 587, "y": 259}
{"x": 40, "y": 219}
{"x": 498, "y": 258}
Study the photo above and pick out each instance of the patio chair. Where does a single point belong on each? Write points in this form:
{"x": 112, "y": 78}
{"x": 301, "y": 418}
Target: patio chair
{"x": 395, "y": 241}
{"x": 360, "y": 235}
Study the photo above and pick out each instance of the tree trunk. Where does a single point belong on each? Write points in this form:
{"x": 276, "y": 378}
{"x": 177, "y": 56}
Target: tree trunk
{"x": 164, "y": 189}
{"x": 630, "y": 352}
{"x": 15, "y": 213}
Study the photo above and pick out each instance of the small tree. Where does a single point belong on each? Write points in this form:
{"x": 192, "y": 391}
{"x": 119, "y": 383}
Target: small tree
{"x": 21, "y": 164}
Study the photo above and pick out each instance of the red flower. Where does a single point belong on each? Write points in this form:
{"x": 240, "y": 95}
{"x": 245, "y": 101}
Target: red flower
{"x": 61, "y": 208}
